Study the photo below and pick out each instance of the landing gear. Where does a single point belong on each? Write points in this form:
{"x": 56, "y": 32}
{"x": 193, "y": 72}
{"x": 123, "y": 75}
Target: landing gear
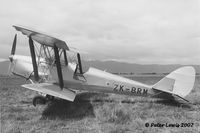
{"x": 42, "y": 100}
{"x": 39, "y": 100}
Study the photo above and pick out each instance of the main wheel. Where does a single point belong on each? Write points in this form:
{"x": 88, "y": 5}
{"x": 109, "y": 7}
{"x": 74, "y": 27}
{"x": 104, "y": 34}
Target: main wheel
{"x": 39, "y": 100}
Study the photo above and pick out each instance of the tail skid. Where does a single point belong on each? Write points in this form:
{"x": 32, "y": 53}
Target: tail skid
{"x": 178, "y": 83}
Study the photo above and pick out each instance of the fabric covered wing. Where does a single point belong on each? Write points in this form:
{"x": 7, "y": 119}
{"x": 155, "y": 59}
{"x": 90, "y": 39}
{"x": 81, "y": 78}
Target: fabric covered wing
{"x": 42, "y": 38}
{"x": 52, "y": 89}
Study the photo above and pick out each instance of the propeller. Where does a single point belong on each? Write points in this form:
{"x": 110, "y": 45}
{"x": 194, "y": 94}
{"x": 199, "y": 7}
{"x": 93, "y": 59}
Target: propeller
{"x": 12, "y": 53}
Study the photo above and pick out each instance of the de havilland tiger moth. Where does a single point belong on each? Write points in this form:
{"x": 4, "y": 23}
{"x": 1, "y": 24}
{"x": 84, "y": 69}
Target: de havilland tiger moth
{"x": 55, "y": 75}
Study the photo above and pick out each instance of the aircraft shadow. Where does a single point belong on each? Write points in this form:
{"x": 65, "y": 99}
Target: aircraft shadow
{"x": 63, "y": 109}
{"x": 80, "y": 108}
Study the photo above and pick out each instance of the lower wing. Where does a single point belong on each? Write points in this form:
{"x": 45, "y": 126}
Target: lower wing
{"x": 52, "y": 89}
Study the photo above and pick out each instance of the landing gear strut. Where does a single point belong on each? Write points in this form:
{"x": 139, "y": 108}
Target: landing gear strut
{"x": 42, "y": 100}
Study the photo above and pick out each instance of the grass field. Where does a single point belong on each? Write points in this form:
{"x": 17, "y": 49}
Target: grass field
{"x": 93, "y": 112}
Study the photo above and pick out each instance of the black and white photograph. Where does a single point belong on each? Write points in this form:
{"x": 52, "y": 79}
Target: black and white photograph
{"x": 100, "y": 66}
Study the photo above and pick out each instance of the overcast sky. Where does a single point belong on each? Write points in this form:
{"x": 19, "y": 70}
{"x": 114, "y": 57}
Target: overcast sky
{"x": 136, "y": 31}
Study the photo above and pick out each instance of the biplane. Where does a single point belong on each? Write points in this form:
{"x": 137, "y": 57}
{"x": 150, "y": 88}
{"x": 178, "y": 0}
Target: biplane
{"x": 53, "y": 74}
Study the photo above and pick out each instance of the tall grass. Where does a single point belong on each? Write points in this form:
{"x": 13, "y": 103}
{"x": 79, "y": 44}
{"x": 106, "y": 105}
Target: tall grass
{"x": 94, "y": 112}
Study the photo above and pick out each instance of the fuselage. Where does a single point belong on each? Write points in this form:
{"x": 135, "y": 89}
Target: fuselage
{"x": 91, "y": 80}
{"x": 101, "y": 81}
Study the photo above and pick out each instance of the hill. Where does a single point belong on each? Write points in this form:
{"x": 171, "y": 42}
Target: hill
{"x": 118, "y": 67}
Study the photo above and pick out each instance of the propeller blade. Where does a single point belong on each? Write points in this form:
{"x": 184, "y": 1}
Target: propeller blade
{"x": 11, "y": 65}
{"x": 9, "y": 69}
{"x": 14, "y": 45}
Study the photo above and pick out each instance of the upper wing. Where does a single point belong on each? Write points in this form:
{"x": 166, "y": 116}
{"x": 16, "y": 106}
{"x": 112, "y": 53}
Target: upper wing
{"x": 52, "y": 89}
{"x": 42, "y": 38}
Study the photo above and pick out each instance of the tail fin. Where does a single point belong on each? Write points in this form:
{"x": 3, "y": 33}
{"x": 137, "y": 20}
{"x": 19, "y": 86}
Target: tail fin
{"x": 179, "y": 82}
